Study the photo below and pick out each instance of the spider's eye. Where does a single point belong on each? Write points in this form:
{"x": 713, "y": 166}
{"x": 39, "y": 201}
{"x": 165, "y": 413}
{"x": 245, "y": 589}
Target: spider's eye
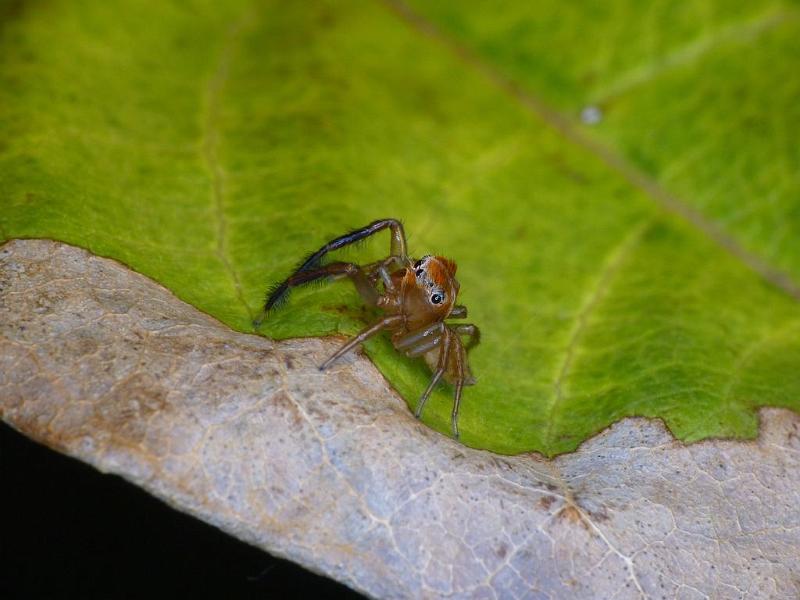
{"x": 418, "y": 264}
{"x": 437, "y": 298}
{"x": 419, "y": 272}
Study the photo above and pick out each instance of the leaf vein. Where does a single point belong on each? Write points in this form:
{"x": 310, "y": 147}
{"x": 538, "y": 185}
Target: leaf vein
{"x": 210, "y": 141}
{"x": 749, "y": 31}
{"x": 774, "y": 335}
{"x": 611, "y": 266}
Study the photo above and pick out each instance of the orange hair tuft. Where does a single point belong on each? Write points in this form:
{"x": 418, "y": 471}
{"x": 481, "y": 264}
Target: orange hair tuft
{"x": 441, "y": 269}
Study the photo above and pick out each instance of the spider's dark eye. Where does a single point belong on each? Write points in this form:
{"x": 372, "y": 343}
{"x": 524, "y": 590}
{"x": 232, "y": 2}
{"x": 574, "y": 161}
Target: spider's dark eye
{"x": 418, "y": 272}
{"x": 437, "y": 298}
{"x": 417, "y": 264}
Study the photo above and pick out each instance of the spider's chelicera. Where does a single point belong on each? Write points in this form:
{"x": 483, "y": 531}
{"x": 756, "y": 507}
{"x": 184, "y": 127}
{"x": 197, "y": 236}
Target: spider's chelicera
{"x": 417, "y": 296}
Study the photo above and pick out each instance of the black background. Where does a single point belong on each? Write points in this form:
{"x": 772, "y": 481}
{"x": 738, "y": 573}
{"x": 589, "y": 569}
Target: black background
{"x": 68, "y": 531}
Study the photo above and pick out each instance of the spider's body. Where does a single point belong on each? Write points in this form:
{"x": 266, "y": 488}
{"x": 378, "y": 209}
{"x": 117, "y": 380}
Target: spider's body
{"x": 416, "y": 297}
{"x": 422, "y": 329}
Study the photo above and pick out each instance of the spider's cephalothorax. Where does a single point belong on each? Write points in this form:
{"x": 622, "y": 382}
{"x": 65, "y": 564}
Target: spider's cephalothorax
{"x": 417, "y": 297}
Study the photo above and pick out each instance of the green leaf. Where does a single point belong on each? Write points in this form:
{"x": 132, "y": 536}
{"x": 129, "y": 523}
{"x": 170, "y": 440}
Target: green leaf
{"x": 701, "y": 96}
{"x": 645, "y": 265}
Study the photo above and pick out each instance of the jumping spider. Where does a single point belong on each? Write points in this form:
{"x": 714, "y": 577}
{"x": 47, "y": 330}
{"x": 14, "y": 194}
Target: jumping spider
{"x": 416, "y": 295}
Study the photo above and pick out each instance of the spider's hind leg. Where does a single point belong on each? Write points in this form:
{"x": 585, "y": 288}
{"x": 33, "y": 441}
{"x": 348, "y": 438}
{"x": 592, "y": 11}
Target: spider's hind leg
{"x": 312, "y": 269}
{"x": 362, "y": 336}
{"x": 366, "y": 288}
{"x": 397, "y": 246}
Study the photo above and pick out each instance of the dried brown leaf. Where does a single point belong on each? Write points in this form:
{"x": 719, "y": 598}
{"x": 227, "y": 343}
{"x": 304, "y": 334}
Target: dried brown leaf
{"x": 332, "y": 471}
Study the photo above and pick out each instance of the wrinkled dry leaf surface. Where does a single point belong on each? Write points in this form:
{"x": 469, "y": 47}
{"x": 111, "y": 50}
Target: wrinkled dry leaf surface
{"x": 331, "y": 470}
